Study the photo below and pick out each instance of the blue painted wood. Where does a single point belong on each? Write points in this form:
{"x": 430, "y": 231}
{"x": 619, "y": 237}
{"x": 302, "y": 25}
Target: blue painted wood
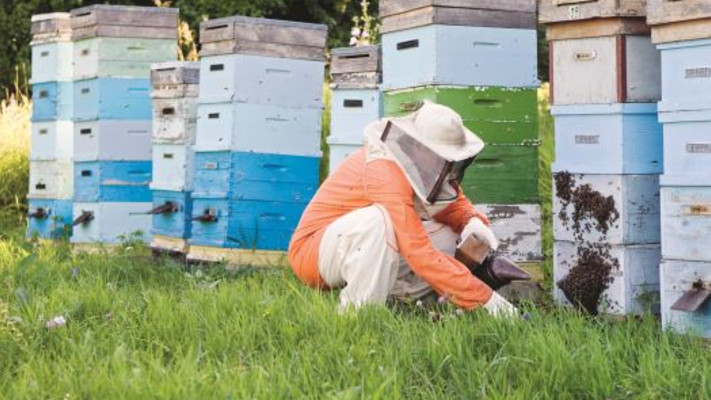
{"x": 460, "y": 55}
{"x": 636, "y": 199}
{"x": 352, "y": 111}
{"x": 111, "y": 221}
{"x": 253, "y": 176}
{"x": 173, "y": 224}
{"x": 52, "y": 101}
{"x": 687, "y": 148}
{"x": 686, "y": 223}
{"x": 260, "y": 225}
{"x": 56, "y": 224}
{"x": 112, "y": 98}
{"x": 678, "y": 277}
{"x": 253, "y": 79}
{"x": 259, "y": 128}
{"x": 608, "y": 139}
{"x": 52, "y": 62}
{"x": 112, "y": 181}
{"x": 686, "y": 75}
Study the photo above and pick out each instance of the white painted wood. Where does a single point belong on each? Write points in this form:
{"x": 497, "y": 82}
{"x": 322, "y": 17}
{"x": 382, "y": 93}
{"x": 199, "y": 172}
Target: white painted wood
{"x": 635, "y": 284}
{"x": 636, "y": 199}
{"x": 175, "y": 120}
{"x": 686, "y": 223}
{"x": 518, "y": 228}
{"x": 112, "y": 220}
{"x": 686, "y": 75}
{"x": 587, "y": 71}
{"x": 107, "y": 140}
{"x": 259, "y": 129}
{"x": 175, "y": 91}
{"x": 173, "y": 168}
{"x": 339, "y": 151}
{"x": 52, "y": 62}
{"x": 52, "y": 141}
{"x": 52, "y": 179}
{"x": 460, "y": 55}
{"x": 261, "y": 80}
{"x": 678, "y": 277}
{"x": 352, "y": 111}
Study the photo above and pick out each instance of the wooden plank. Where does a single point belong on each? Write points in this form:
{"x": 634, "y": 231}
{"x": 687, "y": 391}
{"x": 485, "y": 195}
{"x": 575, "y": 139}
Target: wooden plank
{"x": 124, "y": 16}
{"x": 597, "y": 28}
{"x": 54, "y": 23}
{"x": 550, "y": 11}
{"x": 666, "y": 11}
{"x": 518, "y": 228}
{"x": 263, "y": 49}
{"x": 175, "y": 73}
{"x": 356, "y": 80}
{"x": 170, "y": 244}
{"x": 263, "y": 30}
{"x": 392, "y": 7}
{"x": 682, "y": 31}
{"x": 238, "y": 258}
{"x": 124, "y": 32}
{"x": 459, "y": 16}
{"x": 621, "y": 61}
{"x": 355, "y": 60}
{"x": 174, "y": 91}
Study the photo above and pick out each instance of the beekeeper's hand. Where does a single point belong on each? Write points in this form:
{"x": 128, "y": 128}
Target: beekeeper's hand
{"x": 478, "y": 228}
{"x": 499, "y": 307}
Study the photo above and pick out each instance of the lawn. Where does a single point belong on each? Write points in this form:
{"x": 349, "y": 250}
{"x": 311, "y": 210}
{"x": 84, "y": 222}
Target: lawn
{"x": 142, "y": 328}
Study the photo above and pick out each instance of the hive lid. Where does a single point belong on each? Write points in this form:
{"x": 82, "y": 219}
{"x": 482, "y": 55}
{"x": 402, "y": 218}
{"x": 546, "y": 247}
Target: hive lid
{"x": 175, "y": 73}
{"x": 239, "y": 28}
{"x": 355, "y": 59}
{"x": 101, "y": 14}
{"x": 50, "y": 24}
{"x": 551, "y": 11}
{"x": 389, "y": 8}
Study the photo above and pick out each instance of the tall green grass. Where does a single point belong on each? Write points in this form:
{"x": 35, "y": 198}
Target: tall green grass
{"x": 545, "y": 181}
{"x": 15, "y": 115}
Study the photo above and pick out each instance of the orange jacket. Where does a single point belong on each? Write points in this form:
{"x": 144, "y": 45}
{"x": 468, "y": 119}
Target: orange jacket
{"x": 357, "y": 184}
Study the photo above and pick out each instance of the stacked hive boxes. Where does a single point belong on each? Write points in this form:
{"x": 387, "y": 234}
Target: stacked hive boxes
{"x": 114, "y": 47}
{"x": 682, "y": 31}
{"x": 480, "y": 59}
{"x": 355, "y": 98}
{"x": 51, "y": 186}
{"x": 174, "y": 92}
{"x": 258, "y": 135}
{"x": 604, "y": 82}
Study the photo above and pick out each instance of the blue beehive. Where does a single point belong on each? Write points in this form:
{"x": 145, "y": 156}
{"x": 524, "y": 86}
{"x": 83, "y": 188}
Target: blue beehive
{"x": 608, "y": 139}
{"x": 172, "y": 215}
{"x": 52, "y": 101}
{"x": 112, "y": 98}
{"x": 112, "y": 181}
{"x": 687, "y": 149}
{"x": 686, "y": 75}
{"x": 49, "y": 219}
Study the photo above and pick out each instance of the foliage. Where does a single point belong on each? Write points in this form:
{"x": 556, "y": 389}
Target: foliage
{"x": 366, "y": 29}
{"x": 545, "y": 180}
{"x": 14, "y": 153}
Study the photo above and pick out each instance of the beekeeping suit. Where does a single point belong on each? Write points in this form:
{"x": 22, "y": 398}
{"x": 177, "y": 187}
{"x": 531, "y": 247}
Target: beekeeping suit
{"x": 388, "y": 220}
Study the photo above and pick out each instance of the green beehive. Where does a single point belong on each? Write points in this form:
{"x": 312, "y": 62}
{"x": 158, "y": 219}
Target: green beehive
{"x": 503, "y": 175}
{"x": 498, "y": 115}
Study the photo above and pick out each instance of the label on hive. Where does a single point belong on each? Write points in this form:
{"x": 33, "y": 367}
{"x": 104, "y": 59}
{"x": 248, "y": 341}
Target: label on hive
{"x": 698, "y": 148}
{"x": 587, "y": 139}
{"x": 696, "y": 73}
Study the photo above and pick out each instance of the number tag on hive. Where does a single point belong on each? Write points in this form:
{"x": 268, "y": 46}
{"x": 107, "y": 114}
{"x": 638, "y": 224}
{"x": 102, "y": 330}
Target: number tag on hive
{"x": 698, "y": 148}
{"x": 697, "y": 209}
{"x": 697, "y": 73}
{"x": 587, "y": 139}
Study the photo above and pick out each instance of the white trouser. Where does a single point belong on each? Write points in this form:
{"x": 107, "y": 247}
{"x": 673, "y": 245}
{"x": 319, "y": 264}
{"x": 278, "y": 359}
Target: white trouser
{"x": 359, "y": 253}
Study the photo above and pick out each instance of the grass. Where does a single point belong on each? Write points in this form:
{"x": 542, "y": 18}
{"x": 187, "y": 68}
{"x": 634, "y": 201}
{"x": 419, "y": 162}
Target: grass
{"x": 14, "y": 155}
{"x": 143, "y": 328}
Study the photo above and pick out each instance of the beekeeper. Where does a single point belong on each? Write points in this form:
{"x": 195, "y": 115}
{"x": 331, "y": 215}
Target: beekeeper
{"x": 388, "y": 220}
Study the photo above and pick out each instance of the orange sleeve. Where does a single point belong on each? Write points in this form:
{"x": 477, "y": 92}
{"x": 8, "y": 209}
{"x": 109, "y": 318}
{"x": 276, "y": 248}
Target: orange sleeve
{"x": 388, "y": 186}
{"x": 458, "y": 214}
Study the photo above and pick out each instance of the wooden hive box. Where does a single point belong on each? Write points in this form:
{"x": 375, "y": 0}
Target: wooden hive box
{"x": 634, "y": 286}
{"x": 112, "y": 98}
{"x": 175, "y": 120}
{"x": 124, "y": 21}
{"x": 112, "y": 181}
{"x": 339, "y": 150}
{"x": 400, "y": 15}
{"x": 686, "y": 76}
{"x": 51, "y": 179}
{"x": 173, "y": 167}
{"x": 687, "y": 150}
{"x": 263, "y": 37}
{"x": 686, "y": 223}
{"x": 110, "y": 57}
{"x": 615, "y": 209}
{"x": 677, "y": 278}
{"x": 49, "y": 219}
{"x": 52, "y": 62}
{"x": 175, "y": 79}
{"x": 110, "y": 221}
{"x": 176, "y": 222}
{"x": 608, "y": 139}
{"x": 679, "y": 20}
{"x": 52, "y": 141}
{"x": 518, "y": 228}
{"x": 260, "y": 80}
{"x": 603, "y": 61}
{"x": 52, "y": 101}
{"x": 47, "y": 28}
{"x": 112, "y": 140}
{"x": 353, "y": 110}
{"x": 551, "y": 11}
{"x": 358, "y": 67}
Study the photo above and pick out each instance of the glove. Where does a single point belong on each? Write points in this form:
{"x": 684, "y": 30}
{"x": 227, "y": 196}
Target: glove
{"x": 499, "y": 307}
{"x": 478, "y": 228}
